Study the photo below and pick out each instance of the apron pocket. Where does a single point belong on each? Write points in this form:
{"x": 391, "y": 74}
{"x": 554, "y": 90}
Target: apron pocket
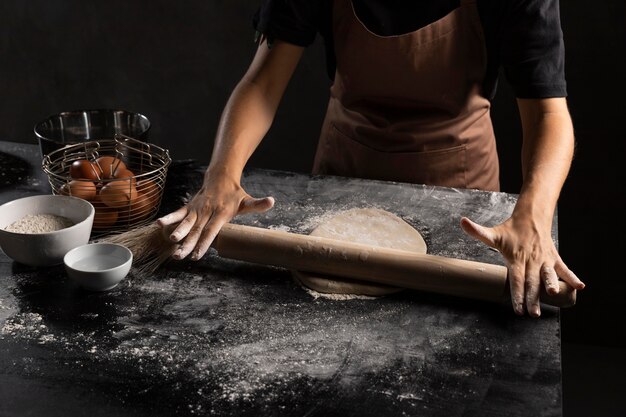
{"x": 338, "y": 154}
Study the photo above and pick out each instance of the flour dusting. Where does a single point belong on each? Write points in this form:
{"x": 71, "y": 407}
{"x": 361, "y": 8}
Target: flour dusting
{"x": 282, "y": 228}
{"x": 237, "y": 340}
{"x": 337, "y": 297}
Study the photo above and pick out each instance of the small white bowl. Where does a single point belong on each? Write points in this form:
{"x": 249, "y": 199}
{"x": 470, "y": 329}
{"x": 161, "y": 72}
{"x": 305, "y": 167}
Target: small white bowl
{"x": 45, "y": 249}
{"x": 98, "y": 266}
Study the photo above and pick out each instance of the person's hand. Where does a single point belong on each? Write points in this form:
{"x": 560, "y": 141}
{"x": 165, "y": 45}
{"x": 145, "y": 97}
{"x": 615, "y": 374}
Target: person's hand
{"x": 531, "y": 257}
{"x": 217, "y": 202}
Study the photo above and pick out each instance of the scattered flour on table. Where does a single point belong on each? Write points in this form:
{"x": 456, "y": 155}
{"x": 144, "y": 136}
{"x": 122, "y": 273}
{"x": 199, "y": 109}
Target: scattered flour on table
{"x": 232, "y": 343}
{"x": 27, "y": 325}
{"x": 337, "y": 297}
{"x": 39, "y": 223}
{"x": 312, "y": 222}
{"x": 308, "y": 224}
{"x": 282, "y": 228}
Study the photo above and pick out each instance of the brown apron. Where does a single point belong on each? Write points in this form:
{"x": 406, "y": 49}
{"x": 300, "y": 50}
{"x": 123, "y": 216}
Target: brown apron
{"x": 409, "y": 108}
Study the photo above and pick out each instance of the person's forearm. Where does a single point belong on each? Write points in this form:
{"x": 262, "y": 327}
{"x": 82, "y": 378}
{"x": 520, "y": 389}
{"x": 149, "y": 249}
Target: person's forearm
{"x": 251, "y": 107}
{"x": 547, "y": 153}
{"x": 246, "y": 119}
{"x": 524, "y": 239}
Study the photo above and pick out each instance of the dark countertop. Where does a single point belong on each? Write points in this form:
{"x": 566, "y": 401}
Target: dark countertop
{"x": 221, "y": 337}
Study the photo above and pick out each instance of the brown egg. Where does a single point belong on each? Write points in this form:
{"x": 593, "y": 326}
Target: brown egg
{"x": 140, "y": 208}
{"x": 81, "y": 189}
{"x": 83, "y": 169}
{"x": 109, "y": 165}
{"x": 118, "y": 193}
{"x": 105, "y": 216}
{"x": 126, "y": 173}
{"x": 150, "y": 189}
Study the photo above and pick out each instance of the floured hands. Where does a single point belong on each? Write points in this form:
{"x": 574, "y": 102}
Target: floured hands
{"x": 531, "y": 257}
{"x": 199, "y": 221}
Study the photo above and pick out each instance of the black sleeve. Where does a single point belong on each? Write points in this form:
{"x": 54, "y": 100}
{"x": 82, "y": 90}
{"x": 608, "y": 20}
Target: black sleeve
{"x": 293, "y": 21}
{"x": 531, "y": 48}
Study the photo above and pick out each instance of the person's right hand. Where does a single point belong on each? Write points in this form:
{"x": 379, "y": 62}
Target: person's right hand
{"x": 218, "y": 201}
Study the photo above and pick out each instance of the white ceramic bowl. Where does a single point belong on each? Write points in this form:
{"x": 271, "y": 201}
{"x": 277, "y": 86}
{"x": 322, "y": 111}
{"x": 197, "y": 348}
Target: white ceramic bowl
{"x": 45, "y": 249}
{"x": 98, "y": 266}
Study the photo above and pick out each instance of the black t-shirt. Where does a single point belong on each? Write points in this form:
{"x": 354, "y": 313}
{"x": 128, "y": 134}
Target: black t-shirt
{"x": 522, "y": 36}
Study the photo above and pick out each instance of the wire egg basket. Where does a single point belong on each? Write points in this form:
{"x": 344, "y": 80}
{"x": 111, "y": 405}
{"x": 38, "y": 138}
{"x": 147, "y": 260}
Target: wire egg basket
{"x": 122, "y": 177}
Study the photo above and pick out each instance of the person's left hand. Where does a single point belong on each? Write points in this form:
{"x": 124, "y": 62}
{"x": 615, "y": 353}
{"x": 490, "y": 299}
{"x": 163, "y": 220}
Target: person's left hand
{"x": 531, "y": 257}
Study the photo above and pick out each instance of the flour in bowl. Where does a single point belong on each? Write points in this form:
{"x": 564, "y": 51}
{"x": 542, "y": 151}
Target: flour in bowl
{"x": 39, "y": 223}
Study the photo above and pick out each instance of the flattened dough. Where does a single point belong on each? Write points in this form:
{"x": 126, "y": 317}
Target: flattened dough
{"x": 367, "y": 226}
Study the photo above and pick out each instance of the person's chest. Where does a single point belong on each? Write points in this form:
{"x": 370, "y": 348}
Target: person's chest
{"x": 396, "y": 17}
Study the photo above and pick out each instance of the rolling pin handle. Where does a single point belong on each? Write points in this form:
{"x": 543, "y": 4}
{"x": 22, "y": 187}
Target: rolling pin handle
{"x": 565, "y": 298}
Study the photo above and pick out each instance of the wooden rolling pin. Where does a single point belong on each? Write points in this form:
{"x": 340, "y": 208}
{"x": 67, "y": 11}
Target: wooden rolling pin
{"x": 394, "y": 267}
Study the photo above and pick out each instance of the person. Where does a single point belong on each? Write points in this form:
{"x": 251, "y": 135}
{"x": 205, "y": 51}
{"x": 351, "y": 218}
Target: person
{"x": 412, "y": 84}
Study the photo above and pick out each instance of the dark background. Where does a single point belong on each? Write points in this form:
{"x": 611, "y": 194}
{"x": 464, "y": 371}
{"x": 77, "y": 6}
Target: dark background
{"x": 177, "y": 62}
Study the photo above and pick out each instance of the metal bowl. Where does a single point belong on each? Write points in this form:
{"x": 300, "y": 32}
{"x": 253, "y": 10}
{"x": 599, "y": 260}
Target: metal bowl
{"x": 66, "y": 128}
{"x": 143, "y": 180}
